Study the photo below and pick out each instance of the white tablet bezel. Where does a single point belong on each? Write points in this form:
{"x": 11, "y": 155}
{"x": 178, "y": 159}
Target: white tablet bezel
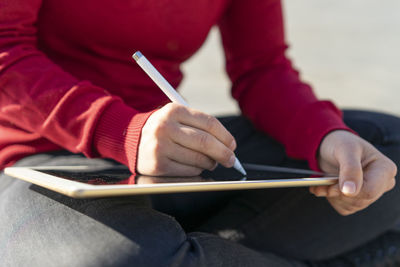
{"x": 81, "y": 190}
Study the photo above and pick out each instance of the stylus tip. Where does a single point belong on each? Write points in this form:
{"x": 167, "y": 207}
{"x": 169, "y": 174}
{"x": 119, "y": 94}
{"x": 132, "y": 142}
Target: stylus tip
{"x": 239, "y": 167}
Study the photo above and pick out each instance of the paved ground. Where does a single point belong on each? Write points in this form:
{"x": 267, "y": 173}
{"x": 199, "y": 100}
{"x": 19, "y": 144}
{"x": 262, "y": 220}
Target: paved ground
{"x": 348, "y": 50}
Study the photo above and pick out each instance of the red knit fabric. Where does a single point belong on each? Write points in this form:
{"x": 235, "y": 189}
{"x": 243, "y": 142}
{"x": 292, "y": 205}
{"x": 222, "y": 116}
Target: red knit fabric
{"x": 67, "y": 80}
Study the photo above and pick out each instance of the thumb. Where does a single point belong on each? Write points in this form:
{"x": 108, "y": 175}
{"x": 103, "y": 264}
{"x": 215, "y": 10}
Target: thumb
{"x": 350, "y": 174}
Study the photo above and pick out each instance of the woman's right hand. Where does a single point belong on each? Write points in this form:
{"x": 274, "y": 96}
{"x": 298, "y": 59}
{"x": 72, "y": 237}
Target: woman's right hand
{"x": 180, "y": 141}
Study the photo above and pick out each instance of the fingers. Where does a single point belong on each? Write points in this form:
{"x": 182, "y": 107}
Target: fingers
{"x": 319, "y": 191}
{"x": 188, "y": 140}
{"x": 189, "y": 157}
{"x": 326, "y": 190}
{"x": 378, "y": 178}
{"x": 204, "y": 143}
{"x": 364, "y": 173}
{"x": 207, "y": 123}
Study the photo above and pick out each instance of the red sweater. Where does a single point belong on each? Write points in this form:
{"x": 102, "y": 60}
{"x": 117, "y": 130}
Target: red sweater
{"x": 67, "y": 80}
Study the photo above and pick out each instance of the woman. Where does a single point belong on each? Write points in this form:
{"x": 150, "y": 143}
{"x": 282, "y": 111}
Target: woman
{"x": 68, "y": 84}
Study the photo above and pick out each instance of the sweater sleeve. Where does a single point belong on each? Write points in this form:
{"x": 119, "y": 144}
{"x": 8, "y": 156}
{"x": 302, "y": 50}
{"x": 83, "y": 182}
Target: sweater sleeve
{"x": 38, "y": 96}
{"x": 266, "y": 86}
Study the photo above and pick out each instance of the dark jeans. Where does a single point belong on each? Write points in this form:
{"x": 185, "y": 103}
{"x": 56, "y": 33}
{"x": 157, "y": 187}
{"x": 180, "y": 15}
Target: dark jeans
{"x": 272, "y": 227}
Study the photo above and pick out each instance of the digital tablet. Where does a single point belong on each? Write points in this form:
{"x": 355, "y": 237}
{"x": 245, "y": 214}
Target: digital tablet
{"x": 100, "y": 181}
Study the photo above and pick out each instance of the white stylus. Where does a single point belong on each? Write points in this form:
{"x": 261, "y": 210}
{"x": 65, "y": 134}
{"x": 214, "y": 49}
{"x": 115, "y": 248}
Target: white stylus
{"x": 169, "y": 90}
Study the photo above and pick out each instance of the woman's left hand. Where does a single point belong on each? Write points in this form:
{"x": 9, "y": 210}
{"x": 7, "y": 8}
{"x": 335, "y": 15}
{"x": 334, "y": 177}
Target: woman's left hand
{"x": 365, "y": 174}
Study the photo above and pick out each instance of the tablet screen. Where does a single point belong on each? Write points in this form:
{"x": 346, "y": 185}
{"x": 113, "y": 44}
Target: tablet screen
{"x": 98, "y": 175}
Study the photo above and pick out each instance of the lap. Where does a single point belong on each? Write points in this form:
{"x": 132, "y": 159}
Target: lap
{"x": 44, "y": 228}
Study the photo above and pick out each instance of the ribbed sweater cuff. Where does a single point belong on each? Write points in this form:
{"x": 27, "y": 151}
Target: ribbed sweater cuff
{"x": 118, "y": 133}
{"x": 309, "y": 128}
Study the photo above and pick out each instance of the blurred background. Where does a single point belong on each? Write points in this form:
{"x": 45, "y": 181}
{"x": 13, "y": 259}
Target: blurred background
{"x": 347, "y": 50}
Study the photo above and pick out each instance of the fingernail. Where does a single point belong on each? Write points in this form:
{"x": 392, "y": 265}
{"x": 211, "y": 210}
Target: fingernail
{"x": 349, "y": 188}
{"x": 232, "y": 160}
